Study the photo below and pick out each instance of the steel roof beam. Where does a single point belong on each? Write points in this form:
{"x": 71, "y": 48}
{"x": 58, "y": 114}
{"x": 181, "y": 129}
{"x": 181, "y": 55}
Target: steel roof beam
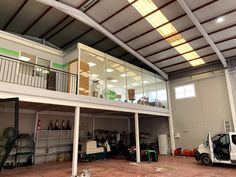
{"x": 81, "y": 16}
{"x": 202, "y": 31}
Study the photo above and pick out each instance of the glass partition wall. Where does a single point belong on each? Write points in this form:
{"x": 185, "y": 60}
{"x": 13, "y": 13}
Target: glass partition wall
{"x": 107, "y": 77}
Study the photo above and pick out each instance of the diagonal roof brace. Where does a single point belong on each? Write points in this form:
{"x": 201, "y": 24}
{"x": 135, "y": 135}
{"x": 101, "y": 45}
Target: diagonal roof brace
{"x": 81, "y": 16}
{"x": 202, "y": 31}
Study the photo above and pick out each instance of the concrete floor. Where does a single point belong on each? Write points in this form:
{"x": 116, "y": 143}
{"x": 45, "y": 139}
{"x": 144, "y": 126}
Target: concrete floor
{"x": 166, "y": 167}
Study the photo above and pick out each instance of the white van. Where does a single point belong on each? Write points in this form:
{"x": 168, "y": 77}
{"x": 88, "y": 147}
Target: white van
{"x": 221, "y": 148}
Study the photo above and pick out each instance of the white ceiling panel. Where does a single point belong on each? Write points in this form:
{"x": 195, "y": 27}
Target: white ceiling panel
{"x": 105, "y": 8}
{"x": 69, "y": 33}
{"x": 193, "y": 4}
{"x": 145, "y": 39}
{"x": 213, "y": 25}
{"x": 171, "y": 62}
{"x": 208, "y": 59}
{"x": 105, "y": 45}
{"x": 155, "y": 47}
{"x": 162, "y": 55}
{"x": 228, "y": 44}
{"x": 229, "y": 53}
{"x": 122, "y": 19}
{"x": 214, "y": 10}
{"x": 7, "y": 13}
{"x": 200, "y": 52}
{"x": 225, "y": 34}
{"x": 172, "y": 10}
{"x": 163, "y": 44}
{"x": 74, "y": 3}
{"x": 177, "y": 67}
{"x": 30, "y": 12}
{"x": 51, "y": 18}
{"x": 134, "y": 30}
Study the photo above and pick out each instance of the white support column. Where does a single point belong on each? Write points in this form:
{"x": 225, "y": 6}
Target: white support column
{"x": 171, "y": 125}
{"x": 137, "y": 137}
{"x": 231, "y": 98}
{"x": 75, "y": 142}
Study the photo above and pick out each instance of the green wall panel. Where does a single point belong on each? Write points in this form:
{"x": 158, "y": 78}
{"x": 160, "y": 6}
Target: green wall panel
{"x": 8, "y": 52}
{"x": 58, "y": 65}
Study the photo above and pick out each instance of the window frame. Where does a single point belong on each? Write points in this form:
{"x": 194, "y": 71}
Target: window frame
{"x": 185, "y": 96}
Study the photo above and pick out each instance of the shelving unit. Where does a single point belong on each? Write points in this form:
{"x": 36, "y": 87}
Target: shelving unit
{"x": 51, "y": 145}
{"x": 22, "y": 153}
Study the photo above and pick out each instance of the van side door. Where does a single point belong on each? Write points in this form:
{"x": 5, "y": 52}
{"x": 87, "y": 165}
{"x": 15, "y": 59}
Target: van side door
{"x": 232, "y": 147}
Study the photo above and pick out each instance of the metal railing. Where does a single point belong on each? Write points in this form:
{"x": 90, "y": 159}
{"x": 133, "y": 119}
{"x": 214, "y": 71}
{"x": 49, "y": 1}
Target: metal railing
{"x": 20, "y": 72}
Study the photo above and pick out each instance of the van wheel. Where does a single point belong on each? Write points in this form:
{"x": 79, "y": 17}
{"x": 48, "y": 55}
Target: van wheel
{"x": 206, "y": 160}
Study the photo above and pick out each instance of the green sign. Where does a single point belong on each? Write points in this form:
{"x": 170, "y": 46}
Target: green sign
{"x": 58, "y": 65}
{"x": 8, "y": 52}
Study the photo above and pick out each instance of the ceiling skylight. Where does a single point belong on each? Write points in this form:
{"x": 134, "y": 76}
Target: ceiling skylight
{"x": 144, "y": 7}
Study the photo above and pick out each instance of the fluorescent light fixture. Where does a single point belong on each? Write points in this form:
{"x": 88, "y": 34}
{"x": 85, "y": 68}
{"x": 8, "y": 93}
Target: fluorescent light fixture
{"x": 196, "y": 62}
{"x": 91, "y": 64}
{"x": 123, "y": 75}
{"x": 145, "y": 7}
{"x": 109, "y": 70}
{"x": 134, "y": 84}
{"x": 23, "y": 58}
{"x": 220, "y": 20}
{"x": 145, "y": 82}
{"x": 137, "y": 78}
{"x": 45, "y": 71}
{"x": 114, "y": 80}
{"x": 131, "y": 74}
{"x": 93, "y": 75}
{"x": 110, "y": 86}
{"x": 115, "y": 65}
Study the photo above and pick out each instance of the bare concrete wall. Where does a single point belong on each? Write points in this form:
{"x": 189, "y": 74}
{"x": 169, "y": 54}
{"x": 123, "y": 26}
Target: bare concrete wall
{"x": 195, "y": 117}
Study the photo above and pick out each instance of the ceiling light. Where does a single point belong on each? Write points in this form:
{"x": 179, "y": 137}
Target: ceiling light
{"x": 109, "y": 70}
{"x": 157, "y": 18}
{"x": 134, "y": 84}
{"x": 110, "y": 86}
{"x": 145, "y": 82}
{"x": 137, "y": 78}
{"x": 197, "y": 62}
{"x": 115, "y": 65}
{"x": 93, "y": 75}
{"x": 23, "y": 58}
{"x": 220, "y": 20}
{"x": 91, "y": 64}
{"x": 123, "y": 75}
{"x": 114, "y": 80}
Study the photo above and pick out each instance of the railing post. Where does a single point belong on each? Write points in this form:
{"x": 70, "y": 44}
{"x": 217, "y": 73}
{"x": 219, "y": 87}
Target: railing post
{"x": 77, "y": 81}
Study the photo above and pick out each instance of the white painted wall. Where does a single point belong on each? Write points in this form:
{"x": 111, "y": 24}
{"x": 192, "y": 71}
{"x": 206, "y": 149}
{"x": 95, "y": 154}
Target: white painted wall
{"x": 5, "y": 43}
{"x": 195, "y": 117}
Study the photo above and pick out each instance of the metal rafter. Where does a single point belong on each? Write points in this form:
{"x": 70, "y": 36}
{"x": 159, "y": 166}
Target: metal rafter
{"x": 202, "y": 31}
{"x": 36, "y": 21}
{"x": 184, "y": 30}
{"x": 192, "y": 40}
{"x": 139, "y": 19}
{"x": 81, "y": 16}
{"x": 60, "y": 22}
{"x": 176, "y": 18}
{"x": 14, "y": 15}
{"x": 225, "y": 50}
{"x": 103, "y": 21}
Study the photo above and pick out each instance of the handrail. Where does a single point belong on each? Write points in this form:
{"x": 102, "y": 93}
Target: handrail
{"x": 16, "y": 59}
{"x": 15, "y": 71}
